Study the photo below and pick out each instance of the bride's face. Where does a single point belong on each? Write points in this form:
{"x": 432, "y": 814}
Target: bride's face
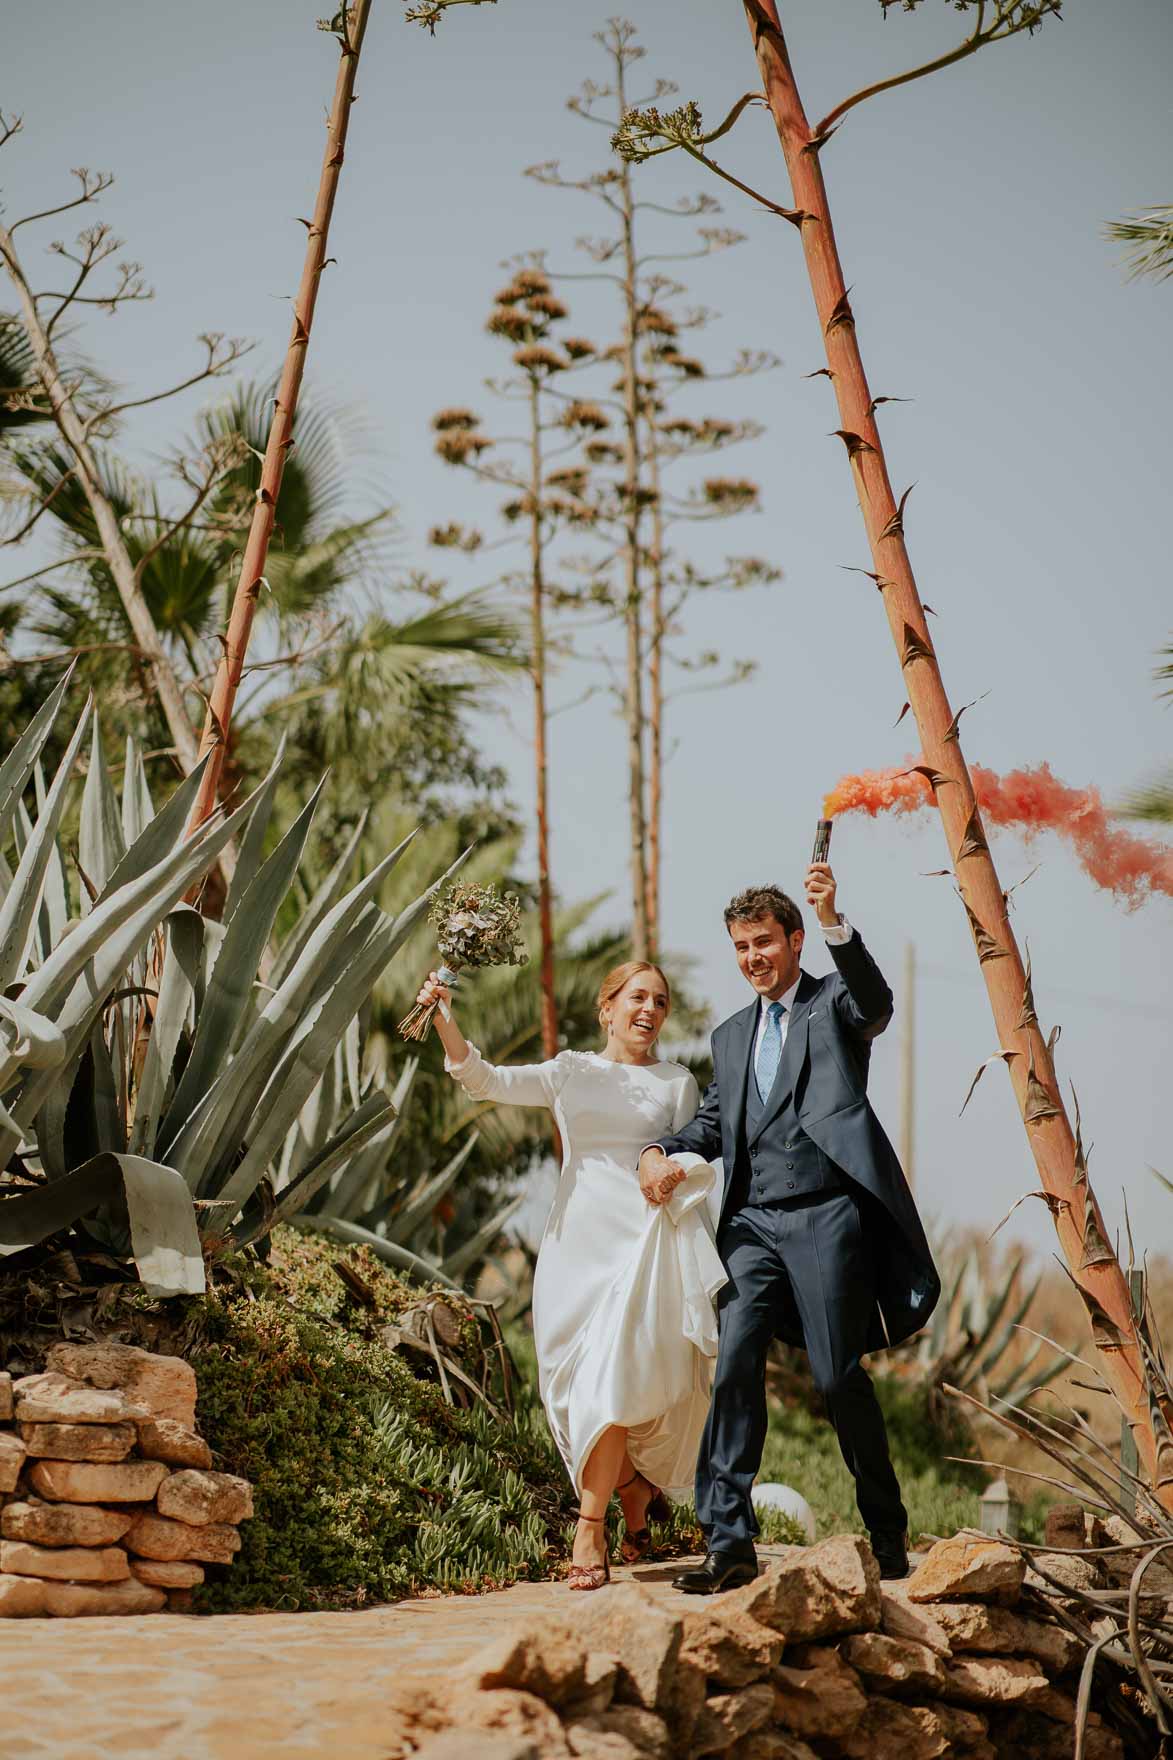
{"x": 637, "y": 1014}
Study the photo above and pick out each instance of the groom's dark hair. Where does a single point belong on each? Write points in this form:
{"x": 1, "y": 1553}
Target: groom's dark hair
{"x": 757, "y": 902}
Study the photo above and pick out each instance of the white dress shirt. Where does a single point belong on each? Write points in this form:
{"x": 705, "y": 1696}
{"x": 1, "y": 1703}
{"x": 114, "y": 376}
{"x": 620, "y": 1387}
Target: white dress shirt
{"x": 834, "y": 936}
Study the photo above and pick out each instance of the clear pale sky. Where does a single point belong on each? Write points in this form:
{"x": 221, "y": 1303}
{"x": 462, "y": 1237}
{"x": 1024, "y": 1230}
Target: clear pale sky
{"x": 969, "y": 211}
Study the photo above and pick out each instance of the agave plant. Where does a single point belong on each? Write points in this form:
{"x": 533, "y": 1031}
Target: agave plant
{"x": 971, "y": 1341}
{"x": 150, "y": 1081}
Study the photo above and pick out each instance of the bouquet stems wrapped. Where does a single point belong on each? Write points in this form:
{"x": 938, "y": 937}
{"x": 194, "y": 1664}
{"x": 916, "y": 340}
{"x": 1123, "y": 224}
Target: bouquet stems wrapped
{"x": 475, "y": 926}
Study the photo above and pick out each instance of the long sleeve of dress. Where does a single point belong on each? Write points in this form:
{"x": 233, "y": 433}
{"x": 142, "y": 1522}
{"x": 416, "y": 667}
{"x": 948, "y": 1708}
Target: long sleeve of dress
{"x": 522, "y": 1084}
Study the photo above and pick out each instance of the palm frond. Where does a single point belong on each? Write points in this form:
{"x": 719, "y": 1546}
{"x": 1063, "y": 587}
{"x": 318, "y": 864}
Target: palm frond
{"x": 1148, "y": 240}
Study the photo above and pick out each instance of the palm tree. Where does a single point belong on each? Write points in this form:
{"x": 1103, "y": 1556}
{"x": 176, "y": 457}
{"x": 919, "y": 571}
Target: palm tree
{"x": 1148, "y": 238}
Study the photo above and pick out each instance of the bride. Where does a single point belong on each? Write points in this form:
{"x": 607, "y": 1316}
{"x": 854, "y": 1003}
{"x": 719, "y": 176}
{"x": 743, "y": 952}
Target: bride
{"x": 623, "y": 1315}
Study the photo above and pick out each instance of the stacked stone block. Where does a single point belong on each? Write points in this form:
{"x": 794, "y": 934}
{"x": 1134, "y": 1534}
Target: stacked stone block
{"x": 815, "y": 1660}
{"x": 108, "y": 1501}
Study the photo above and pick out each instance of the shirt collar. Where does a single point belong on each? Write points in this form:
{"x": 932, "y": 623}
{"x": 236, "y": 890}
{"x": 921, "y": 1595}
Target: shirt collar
{"x": 786, "y": 998}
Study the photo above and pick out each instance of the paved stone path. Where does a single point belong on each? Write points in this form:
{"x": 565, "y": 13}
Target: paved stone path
{"x": 295, "y": 1686}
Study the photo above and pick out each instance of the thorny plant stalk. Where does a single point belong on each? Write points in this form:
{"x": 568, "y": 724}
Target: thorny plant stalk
{"x": 1057, "y": 1149}
{"x": 350, "y": 27}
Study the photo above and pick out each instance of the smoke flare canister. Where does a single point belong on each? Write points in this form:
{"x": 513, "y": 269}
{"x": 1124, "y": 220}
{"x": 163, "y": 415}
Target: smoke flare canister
{"x": 822, "y": 841}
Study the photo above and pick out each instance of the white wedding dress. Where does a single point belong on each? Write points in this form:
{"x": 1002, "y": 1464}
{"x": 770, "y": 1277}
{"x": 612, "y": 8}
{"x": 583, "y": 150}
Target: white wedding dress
{"x": 624, "y": 1321}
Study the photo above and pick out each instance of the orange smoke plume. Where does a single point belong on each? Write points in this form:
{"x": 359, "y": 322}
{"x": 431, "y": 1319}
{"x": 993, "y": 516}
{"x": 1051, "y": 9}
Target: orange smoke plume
{"x": 1029, "y": 801}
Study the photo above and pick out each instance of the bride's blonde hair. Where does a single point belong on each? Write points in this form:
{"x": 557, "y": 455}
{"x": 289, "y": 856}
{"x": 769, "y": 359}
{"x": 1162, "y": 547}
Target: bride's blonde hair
{"x": 615, "y": 980}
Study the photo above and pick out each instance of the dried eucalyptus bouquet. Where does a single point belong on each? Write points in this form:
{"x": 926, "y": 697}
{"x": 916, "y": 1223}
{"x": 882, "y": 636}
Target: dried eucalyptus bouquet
{"x": 475, "y": 926}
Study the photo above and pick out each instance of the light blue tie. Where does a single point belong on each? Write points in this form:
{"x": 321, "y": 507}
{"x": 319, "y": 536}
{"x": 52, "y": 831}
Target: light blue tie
{"x": 769, "y": 1051}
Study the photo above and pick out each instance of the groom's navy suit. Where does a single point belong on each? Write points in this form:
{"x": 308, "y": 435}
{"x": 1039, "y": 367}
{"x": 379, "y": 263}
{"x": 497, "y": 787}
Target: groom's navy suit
{"x": 818, "y": 1232}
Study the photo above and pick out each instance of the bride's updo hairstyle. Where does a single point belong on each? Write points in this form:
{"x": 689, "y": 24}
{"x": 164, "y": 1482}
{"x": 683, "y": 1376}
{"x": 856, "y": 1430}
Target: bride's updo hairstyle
{"x": 620, "y": 976}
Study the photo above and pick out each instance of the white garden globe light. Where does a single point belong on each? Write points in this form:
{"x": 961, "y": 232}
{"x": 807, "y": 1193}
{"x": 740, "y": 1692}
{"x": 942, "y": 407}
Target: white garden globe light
{"x": 791, "y": 1503}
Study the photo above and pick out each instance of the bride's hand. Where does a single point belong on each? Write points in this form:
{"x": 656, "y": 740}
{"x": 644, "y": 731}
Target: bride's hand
{"x": 658, "y": 1177}
{"x": 432, "y": 991}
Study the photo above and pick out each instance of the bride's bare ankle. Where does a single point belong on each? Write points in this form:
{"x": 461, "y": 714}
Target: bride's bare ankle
{"x": 590, "y": 1541}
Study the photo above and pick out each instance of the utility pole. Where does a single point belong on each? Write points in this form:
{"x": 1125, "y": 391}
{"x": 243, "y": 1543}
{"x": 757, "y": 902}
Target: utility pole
{"x": 908, "y": 1067}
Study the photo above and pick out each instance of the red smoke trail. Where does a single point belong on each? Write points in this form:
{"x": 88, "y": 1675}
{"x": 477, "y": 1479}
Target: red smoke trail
{"x": 1029, "y": 801}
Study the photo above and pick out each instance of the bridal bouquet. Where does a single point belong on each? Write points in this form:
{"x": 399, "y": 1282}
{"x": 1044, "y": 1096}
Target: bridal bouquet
{"x": 475, "y": 926}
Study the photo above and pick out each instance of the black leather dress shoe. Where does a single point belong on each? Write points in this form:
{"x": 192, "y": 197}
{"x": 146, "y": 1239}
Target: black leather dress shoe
{"x": 720, "y": 1570}
{"x": 891, "y": 1550}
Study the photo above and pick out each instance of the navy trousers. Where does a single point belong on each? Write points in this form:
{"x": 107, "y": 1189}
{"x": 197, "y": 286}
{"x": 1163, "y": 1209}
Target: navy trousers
{"x": 807, "y": 1255}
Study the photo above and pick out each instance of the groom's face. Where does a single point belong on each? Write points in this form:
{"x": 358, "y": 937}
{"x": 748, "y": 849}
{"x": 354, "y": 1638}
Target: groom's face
{"x": 768, "y": 957}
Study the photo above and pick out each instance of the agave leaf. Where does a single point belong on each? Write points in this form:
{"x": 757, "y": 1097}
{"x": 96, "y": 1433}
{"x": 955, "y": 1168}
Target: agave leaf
{"x": 369, "y": 1122}
{"x": 18, "y": 765}
{"x": 165, "y": 1241}
{"x": 138, "y": 809}
{"x": 229, "y": 989}
{"x": 1002, "y": 1342}
{"x": 252, "y": 844}
{"x": 339, "y": 1229}
{"x": 458, "y": 1262}
{"x": 18, "y": 912}
{"x": 177, "y": 981}
{"x": 327, "y": 895}
{"x": 160, "y": 836}
{"x": 71, "y": 986}
{"x": 100, "y": 842}
{"x": 109, "y": 1131}
{"x": 348, "y": 1193}
{"x": 428, "y": 1194}
{"x": 992, "y": 1312}
{"x": 54, "y": 912}
{"x": 214, "y": 1130}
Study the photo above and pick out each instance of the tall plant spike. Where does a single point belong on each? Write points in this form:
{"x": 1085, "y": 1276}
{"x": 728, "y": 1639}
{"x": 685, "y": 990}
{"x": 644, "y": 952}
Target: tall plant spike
{"x": 351, "y": 24}
{"x": 1032, "y": 1072}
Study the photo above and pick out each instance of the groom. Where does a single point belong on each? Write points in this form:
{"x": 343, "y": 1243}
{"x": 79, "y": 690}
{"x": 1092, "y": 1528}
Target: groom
{"x": 818, "y": 1229}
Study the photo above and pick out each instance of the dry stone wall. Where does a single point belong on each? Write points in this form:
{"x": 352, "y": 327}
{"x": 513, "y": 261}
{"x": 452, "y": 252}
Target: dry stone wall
{"x": 108, "y": 1501}
{"x": 815, "y": 1660}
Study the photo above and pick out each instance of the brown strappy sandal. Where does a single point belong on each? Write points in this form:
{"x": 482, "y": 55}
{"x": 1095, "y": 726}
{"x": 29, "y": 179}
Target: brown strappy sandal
{"x": 590, "y": 1576}
{"x": 637, "y": 1542}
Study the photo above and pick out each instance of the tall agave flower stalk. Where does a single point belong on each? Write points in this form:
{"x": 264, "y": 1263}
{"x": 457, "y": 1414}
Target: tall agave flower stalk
{"x": 1057, "y": 1148}
{"x": 350, "y": 24}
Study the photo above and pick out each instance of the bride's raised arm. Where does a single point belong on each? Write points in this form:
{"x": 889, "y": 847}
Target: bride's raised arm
{"x": 525, "y": 1084}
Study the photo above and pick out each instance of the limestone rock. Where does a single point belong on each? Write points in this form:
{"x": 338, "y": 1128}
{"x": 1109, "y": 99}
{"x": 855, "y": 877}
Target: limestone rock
{"x": 729, "y": 1647}
{"x": 1027, "y": 1732}
{"x": 180, "y": 1601}
{"x": 162, "y": 1439}
{"x": 971, "y": 1625}
{"x": 91, "y": 1482}
{"x": 63, "y": 1524}
{"x": 454, "y": 1746}
{"x": 512, "y": 1714}
{"x": 199, "y": 1497}
{"x": 1064, "y": 1525}
{"x": 80, "y": 1564}
{"x": 902, "y": 1618}
{"x": 175, "y": 1573}
{"x": 74, "y": 1600}
{"x": 160, "y": 1538}
{"x": 774, "y": 1744}
{"x": 545, "y": 1657}
{"x": 1119, "y": 1566}
{"x": 12, "y": 1457}
{"x": 642, "y": 1636}
{"x": 598, "y": 1686}
{"x": 1066, "y": 1568}
{"x": 53, "y": 1398}
{"x": 729, "y": 1717}
{"x": 817, "y": 1694}
{"x": 895, "y": 1663}
{"x": 6, "y": 1412}
{"x": 79, "y": 1442}
{"x": 22, "y": 1598}
{"x": 166, "y": 1386}
{"x": 994, "y": 1680}
{"x": 891, "y": 1730}
{"x": 815, "y": 1591}
{"x": 626, "y": 1732}
{"x": 966, "y": 1565}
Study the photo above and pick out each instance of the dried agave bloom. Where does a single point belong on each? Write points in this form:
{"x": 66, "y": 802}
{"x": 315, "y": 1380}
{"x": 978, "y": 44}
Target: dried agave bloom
{"x": 525, "y": 285}
{"x": 685, "y": 364}
{"x": 604, "y": 452}
{"x": 456, "y": 448}
{"x": 577, "y": 347}
{"x": 581, "y": 414}
{"x": 537, "y": 358}
{"x": 571, "y": 478}
{"x": 454, "y": 536}
{"x": 511, "y": 323}
{"x": 448, "y": 419}
{"x": 728, "y": 492}
{"x": 548, "y": 306}
{"x": 654, "y": 321}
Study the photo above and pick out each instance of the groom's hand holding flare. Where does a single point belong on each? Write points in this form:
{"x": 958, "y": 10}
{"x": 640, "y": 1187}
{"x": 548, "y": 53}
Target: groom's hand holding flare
{"x": 820, "y": 893}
